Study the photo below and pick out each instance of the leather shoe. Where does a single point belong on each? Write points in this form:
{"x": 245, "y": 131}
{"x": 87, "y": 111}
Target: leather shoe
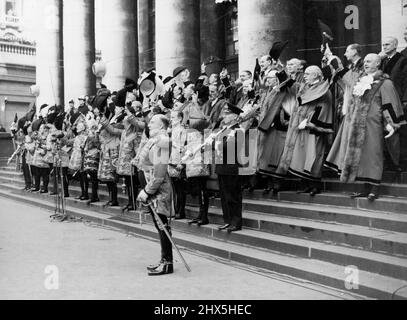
{"x": 153, "y": 267}
{"x": 372, "y": 197}
{"x": 307, "y": 190}
{"x": 83, "y": 198}
{"x": 193, "y": 221}
{"x": 94, "y": 200}
{"x": 113, "y": 204}
{"x": 359, "y": 195}
{"x": 34, "y": 190}
{"x": 43, "y": 191}
{"x": 224, "y": 227}
{"x": 179, "y": 216}
{"x": 203, "y": 222}
{"x": 233, "y": 229}
{"x": 163, "y": 268}
{"x": 314, "y": 192}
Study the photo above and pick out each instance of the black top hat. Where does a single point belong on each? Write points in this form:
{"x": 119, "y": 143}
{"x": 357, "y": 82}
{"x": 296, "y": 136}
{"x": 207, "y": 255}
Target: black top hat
{"x": 277, "y": 49}
{"x": 43, "y": 106}
{"x": 168, "y": 79}
{"x": 326, "y": 32}
{"x": 233, "y": 109}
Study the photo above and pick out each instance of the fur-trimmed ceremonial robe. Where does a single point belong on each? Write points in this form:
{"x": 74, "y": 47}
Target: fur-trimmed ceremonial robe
{"x": 357, "y": 152}
{"x": 304, "y": 150}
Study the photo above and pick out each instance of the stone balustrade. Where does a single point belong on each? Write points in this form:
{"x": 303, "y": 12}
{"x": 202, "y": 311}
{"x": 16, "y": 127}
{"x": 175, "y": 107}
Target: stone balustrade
{"x": 16, "y": 48}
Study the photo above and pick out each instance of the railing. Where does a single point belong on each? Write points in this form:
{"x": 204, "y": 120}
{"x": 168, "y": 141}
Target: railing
{"x": 16, "y": 48}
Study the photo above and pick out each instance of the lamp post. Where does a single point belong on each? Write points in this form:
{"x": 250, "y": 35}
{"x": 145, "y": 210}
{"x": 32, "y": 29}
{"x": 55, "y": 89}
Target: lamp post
{"x": 99, "y": 70}
{"x": 35, "y": 91}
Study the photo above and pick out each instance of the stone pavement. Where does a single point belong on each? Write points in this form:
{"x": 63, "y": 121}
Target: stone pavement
{"x": 98, "y": 263}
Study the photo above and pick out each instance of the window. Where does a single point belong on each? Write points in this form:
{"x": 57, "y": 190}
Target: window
{"x": 11, "y": 7}
{"x": 232, "y": 32}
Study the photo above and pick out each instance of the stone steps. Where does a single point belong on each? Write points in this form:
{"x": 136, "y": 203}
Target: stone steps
{"x": 264, "y": 238}
{"x": 394, "y": 243}
{"x": 307, "y": 269}
{"x": 327, "y": 232}
{"x": 373, "y": 219}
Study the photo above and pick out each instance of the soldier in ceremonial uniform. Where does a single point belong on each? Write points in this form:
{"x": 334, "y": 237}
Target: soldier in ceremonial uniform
{"x": 154, "y": 162}
{"x": 130, "y": 137}
{"x": 230, "y": 183}
{"x": 109, "y": 152}
{"x": 76, "y": 163}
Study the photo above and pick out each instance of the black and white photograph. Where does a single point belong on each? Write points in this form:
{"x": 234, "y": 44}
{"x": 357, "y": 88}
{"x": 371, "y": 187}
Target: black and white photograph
{"x": 202, "y": 155}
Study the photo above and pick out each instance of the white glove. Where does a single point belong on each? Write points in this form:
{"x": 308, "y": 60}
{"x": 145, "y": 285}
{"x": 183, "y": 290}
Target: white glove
{"x": 143, "y": 196}
{"x": 303, "y": 125}
{"x": 391, "y": 131}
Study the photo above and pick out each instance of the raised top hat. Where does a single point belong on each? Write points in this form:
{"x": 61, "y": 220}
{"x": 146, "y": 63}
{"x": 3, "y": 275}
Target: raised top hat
{"x": 178, "y": 70}
{"x": 230, "y": 108}
{"x": 277, "y": 49}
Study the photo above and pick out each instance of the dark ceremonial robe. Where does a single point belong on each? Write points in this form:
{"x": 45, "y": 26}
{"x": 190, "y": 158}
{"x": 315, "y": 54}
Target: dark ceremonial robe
{"x": 396, "y": 68}
{"x": 357, "y": 152}
{"x": 304, "y": 150}
{"x": 276, "y": 108}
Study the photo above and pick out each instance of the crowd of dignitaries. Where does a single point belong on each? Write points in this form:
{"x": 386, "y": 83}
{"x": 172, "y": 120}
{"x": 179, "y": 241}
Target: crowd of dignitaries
{"x": 165, "y": 138}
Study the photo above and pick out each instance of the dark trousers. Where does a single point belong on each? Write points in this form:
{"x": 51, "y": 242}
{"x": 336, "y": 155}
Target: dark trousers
{"x": 56, "y": 179}
{"x": 35, "y": 171}
{"x": 198, "y": 185}
{"x": 166, "y": 246}
{"x": 93, "y": 175}
{"x": 180, "y": 196}
{"x": 132, "y": 191}
{"x": 230, "y": 188}
{"x": 42, "y": 173}
{"x": 84, "y": 183}
{"x": 26, "y": 171}
{"x": 112, "y": 187}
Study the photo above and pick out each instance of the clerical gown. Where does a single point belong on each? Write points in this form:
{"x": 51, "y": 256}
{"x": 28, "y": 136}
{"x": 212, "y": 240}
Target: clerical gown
{"x": 304, "y": 150}
{"x": 357, "y": 152}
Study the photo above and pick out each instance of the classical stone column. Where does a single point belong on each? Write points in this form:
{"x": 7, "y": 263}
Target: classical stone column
{"x": 212, "y": 38}
{"x": 262, "y": 22}
{"x": 146, "y": 36}
{"x": 49, "y": 58}
{"x": 177, "y": 36}
{"x": 79, "y": 48}
{"x": 118, "y": 41}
